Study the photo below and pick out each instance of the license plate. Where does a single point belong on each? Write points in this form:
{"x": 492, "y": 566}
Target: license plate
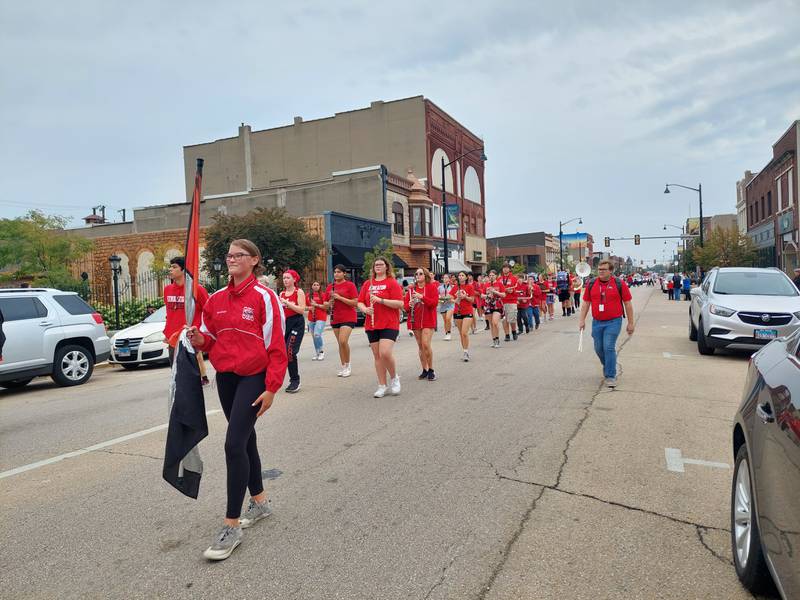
{"x": 123, "y": 351}
{"x": 766, "y": 334}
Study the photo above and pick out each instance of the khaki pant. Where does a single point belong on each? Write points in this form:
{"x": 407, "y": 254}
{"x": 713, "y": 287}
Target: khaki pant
{"x": 510, "y": 312}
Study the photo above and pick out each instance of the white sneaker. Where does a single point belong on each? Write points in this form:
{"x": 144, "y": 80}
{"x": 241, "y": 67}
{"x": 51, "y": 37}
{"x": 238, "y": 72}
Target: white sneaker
{"x": 395, "y": 385}
{"x": 321, "y": 355}
{"x": 447, "y": 337}
{"x": 380, "y": 392}
{"x": 346, "y": 371}
{"x": 340, "y": 371}
{"x": 466, "y": 356}
{"x": 315, "y": 357}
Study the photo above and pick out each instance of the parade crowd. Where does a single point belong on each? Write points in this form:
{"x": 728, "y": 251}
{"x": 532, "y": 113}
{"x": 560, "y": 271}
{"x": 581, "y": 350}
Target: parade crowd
{"x": 253, "y": 335}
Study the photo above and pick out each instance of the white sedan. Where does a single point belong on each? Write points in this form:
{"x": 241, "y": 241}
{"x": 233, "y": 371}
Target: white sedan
{"x": 141, "y": 344}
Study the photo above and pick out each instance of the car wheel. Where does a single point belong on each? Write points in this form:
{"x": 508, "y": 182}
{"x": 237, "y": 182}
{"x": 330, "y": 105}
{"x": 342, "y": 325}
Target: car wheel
{"x": 702, "y": 347}
{"x": 129, "y": 366}
{"x": 16, "y": 383}
{"x": 72, "y": 365}
{"x": 748, "y": 557}
{"x": 692, "y": 329}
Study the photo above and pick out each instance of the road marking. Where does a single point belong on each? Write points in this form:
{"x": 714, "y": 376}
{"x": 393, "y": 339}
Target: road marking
{"x": 100, "y": 446}
{"x": 675, "y": 461}
{"x": 671, "y": 355}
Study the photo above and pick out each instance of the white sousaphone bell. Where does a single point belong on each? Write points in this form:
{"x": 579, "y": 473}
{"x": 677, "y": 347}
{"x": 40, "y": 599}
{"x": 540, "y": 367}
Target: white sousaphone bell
{"x": 582, "y": 269}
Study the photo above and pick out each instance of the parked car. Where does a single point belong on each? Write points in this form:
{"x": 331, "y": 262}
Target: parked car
{"x": 50, "y": 332}
{"x": 765, "y": 492}
{"x": 141, "y": 344}
{"x": 665, "y": 280}
{"x": 742, "y": 308}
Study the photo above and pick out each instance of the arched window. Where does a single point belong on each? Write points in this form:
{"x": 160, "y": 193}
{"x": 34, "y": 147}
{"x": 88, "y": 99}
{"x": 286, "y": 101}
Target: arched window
{"x": 436, "y": 171}
{"x": 472, "y": 185}
{"x": 399, "y": 216}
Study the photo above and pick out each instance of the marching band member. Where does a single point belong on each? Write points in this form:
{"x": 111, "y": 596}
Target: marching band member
{"x": 293, "y": 300}
{"x": 464, "y": 295}
{"x": 420, "y": 306}
{"x": 317, "y": 319}
{"x": 341, "y": 298}
{"x": 493, "y": 295}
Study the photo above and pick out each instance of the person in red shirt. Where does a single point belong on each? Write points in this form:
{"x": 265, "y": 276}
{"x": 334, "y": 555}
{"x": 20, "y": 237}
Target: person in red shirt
{"x": 524, "y": 296}
{"x": 464, "y": 295}
{"x": 537, "y": 302}
{"x": 341, "y": 298}
{"x": 317, "y": 318}
{"x": 475, "y": 308}
{"x": 609, "y": 299}
{"x": 480, "y": 290}
{"x": 421, "y": 302}
{"x": 242, "y": 330}
{"x": 175, "y": 299}
{"x": 381, "y": 299}
{"x": 493, "y": 296}
{"x": 510, "y": 283}
{"x": 293, "y": 300}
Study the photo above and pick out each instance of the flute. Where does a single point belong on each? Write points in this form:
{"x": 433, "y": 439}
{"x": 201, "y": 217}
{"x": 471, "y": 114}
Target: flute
{"x": 372, "y": 306}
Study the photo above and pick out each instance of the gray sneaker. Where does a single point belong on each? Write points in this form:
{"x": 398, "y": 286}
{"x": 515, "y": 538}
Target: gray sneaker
{"x": 226, "y": 542}
{"x": 611, "y": 382}
{"x": 254, "y": 513}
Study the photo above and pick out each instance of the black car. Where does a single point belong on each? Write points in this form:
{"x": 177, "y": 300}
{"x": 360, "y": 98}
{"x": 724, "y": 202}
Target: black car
{"x": 765, "y": 495}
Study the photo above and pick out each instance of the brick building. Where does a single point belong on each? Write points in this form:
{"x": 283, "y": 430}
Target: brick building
{"x": 771, "y": 199}
{"x": 533, "y": 250}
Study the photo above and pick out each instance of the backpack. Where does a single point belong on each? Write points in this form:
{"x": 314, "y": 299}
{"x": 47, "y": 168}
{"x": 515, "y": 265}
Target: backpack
{"x": 562, "y": 281}
{"x": 619, "y": 291}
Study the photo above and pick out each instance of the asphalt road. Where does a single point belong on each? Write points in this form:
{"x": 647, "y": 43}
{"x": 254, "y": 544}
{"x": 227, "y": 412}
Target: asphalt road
{"x": 513, "y": 476}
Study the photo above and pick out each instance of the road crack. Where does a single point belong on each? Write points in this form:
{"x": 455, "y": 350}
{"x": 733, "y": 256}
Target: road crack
{"x": 159, "y": 458}
{"x": 700, "y": 531}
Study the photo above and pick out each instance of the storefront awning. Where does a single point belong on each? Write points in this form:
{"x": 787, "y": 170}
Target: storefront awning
{"x": 353, "y": 256}
{"x": 454, "y": 265}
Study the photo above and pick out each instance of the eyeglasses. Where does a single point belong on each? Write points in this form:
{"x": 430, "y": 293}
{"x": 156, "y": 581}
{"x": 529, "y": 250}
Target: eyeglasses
{"x": 420, "y": 273}
{"x": 237, "y": 256}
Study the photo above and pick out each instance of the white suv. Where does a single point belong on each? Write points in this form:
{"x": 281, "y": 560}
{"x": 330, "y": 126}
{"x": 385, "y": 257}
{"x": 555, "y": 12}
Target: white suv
{"x": 49, "y": 332}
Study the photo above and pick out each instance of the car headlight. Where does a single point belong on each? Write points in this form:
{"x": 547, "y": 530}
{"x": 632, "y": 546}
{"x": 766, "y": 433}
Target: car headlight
{"x": 154, "y": 337}
{"x": 721, "y": 311}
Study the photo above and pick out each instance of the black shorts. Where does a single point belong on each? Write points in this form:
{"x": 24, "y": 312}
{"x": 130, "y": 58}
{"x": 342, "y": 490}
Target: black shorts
{"x": 499, "y": 311}
{"x": 348, "y": 324}
{"x": 563, "y": 295}
{"x": 467, "y": 316}
{"x": 376, "y": 335}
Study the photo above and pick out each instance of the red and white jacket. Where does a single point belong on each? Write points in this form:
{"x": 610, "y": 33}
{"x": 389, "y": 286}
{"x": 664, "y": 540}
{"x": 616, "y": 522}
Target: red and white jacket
{"x": 244, "y": 329}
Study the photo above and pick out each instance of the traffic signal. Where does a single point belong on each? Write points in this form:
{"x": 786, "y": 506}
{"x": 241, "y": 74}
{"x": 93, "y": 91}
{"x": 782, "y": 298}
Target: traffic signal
{"x": 637, "y": 239}
{"x": 608, "y": 242}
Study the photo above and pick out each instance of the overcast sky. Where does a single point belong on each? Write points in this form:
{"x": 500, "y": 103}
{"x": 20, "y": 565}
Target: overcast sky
{"x": 586, "y": 108}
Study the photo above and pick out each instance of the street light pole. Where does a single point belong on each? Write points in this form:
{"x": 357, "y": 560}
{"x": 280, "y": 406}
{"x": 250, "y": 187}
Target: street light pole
{"x": 561, "y": 239}
{"x": 444, "y": 203}
{"x": 699, "y": 190}
{"x": 115, "y": 270}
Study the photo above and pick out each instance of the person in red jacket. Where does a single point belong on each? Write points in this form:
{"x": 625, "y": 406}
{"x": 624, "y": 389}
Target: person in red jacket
{"x": 464, "y": 295}
{"x": 381, "y": 299}
{"x": 174, "y": 301}
{"x": 420, "y": 303}
{"x": 242, "y": 329}
{"x": 341, "y": 298}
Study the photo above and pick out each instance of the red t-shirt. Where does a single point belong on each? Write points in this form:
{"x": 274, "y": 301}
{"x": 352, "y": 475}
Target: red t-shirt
{"x": 524, "y": 289}
{"x": 509, "y": 281}
{"x": 384, "y": 317}
{"x": 424, "y": 315}
{"x": 174, "y": 300}
{"x": 316, "y": 314}
{"x": 342, "y": 313}
{"x": 538, "y": 296}
{"x": 464, "y": 307}
{"x": 606, "y": 295}
{"x": 498, "y": 287}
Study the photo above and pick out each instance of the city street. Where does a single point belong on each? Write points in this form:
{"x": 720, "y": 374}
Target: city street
{"x": 513, "y": 476}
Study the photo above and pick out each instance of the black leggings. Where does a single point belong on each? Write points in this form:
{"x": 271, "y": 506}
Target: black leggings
{"x": 295, "y": 328}
{"x": 236, "y": 394}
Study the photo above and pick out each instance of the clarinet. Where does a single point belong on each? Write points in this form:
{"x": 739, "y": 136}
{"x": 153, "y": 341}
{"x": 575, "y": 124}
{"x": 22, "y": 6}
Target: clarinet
{"x": 413, "y": 302}
{"x": 330, "y": 308}
{"x": 371, "y": 304}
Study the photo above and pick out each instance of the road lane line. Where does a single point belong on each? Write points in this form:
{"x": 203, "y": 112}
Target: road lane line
{"x": 675, "y": 461}
{"x": 100, "y": 446}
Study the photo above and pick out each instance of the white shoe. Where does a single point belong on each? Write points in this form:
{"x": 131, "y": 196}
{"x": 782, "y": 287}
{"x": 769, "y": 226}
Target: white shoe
{"x": 466, "y": 356}
{"x": 395, "y": 385}
{"x": 340, "y": 371}
{"x": 346, "y": 371}
{"x": 321, "y": 355}
{"x": 380, "y": 392}
{"x": 447, "y": 337}
{"x": 315, "y": 357}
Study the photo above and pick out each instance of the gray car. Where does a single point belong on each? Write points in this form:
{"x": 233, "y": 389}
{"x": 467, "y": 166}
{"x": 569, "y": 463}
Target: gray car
{"x": 50, "y": 332}
{"x": 742, "y": 308}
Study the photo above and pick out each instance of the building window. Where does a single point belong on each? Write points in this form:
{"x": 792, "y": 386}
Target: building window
{"x": 769, "y": 203}
{"x": 416, "y": 220}
{"x": 779, "y": 204}
{"x": 428, "y": 226}
{"x": 790, "y": 200}
{"x": 399, "y": 214}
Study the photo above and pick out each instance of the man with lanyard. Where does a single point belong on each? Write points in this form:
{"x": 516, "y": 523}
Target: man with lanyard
{"x": 509, "y": 282}
{"x": 174, "y": 299}
{"x": 609, "y": 299}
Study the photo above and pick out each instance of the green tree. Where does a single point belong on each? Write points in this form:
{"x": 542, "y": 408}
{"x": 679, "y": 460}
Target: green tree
{"x": 37, "y": 246}
{"x": 282, "y": 239}
{"x": 384, "y": 249}
{"x": 725, "y": 248}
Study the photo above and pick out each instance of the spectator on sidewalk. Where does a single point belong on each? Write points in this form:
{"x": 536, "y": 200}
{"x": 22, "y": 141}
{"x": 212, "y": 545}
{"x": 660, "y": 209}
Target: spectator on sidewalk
{"x": 687, "y": 286}
{"x": 677, "y": 282}
{"x": 609, "y": 299}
